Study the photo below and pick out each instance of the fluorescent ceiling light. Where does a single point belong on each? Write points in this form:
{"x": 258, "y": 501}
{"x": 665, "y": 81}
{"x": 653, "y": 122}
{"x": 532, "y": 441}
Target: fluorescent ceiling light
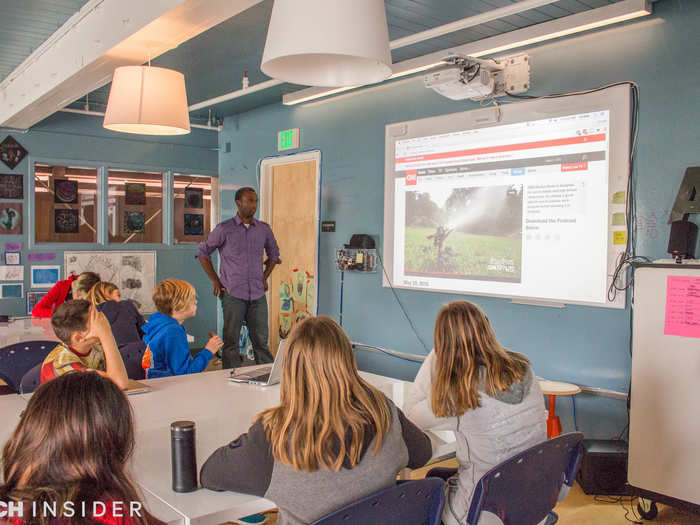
{"x": 572, "y": 24}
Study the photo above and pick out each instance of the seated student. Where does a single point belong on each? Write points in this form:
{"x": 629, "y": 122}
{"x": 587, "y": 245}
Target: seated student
{"x": 87, "y": 344}
{"x": 123, "y": 317}
{"x": 71, "y": 447}
{"x": 488, "y": 395}
{"x": 75, "y": 287}
{"x": 333, "y": 439}
{"x": 167, "y": 351}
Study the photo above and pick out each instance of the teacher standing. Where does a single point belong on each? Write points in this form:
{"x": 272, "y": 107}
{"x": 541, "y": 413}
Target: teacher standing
{"x": 241, "y": 288}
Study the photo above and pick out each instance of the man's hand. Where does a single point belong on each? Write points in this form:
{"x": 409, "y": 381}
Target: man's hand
{"x": 214, "y": 343}
{"x": 218, "y": 288}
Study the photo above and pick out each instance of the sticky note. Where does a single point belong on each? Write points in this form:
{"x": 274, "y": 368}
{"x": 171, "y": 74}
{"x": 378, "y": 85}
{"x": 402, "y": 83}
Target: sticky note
{"x": 618, "y": 197}
{"x": 618, "y": 219}
{"x": 13, "y": 246}
{"x": 37, "y": 257}
{"x": 682, "y": 306}
{"x": 620, "y": 237}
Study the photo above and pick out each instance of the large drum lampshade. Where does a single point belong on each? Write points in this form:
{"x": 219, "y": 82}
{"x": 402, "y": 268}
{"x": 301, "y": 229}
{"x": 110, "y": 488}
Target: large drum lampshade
{"x": 328, "y": 43}
{"x": 147, "y": 100}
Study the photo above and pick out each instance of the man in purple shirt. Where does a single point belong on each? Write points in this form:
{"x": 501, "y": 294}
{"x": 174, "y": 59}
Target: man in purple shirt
{"x": 241, "y": 288}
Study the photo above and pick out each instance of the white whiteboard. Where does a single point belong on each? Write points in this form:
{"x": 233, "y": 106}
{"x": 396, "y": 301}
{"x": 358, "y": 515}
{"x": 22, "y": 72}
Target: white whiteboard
{"x": 525, "y": 201}
{"x": 134, "y": 273}
{"x": 664, "y": 456}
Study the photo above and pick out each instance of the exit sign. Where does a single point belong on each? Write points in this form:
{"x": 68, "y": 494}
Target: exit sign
{"x": 288, "y": 139}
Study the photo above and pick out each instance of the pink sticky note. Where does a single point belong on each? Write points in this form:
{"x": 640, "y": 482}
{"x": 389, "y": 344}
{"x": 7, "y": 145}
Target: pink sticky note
{"x": 682, "y": 306}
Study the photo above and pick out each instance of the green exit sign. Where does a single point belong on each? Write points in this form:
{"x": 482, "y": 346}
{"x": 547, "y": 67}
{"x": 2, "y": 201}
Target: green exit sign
{"x": 288, "y": 139}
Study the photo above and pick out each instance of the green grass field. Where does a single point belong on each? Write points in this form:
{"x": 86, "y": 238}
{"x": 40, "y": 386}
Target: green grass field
{"x": 471, "y": 254}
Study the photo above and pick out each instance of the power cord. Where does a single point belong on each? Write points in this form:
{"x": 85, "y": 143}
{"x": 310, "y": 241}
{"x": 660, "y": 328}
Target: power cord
{"x": 388, "y": 280}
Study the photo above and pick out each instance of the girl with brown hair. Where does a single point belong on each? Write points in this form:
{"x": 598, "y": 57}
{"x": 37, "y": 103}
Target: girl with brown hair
{"x": 488, "y": 395}
{"x": 69, "y": 452}
{"x": 333, "y": 438}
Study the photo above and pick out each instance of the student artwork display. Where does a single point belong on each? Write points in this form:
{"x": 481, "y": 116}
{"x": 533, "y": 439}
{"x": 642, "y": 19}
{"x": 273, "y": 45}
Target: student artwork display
{"x": 133, "y": 272}
{"x": 65, "y": 191}
{"x": 11, "y": 273}
{"x": 194, "y": 224}
{"x": 8, "y": 291}
{"x": 297, "y": 300}
{"x": 32, "y": 299}
{"x": 11, "y": 186}
{"x": 11, "y": 152}
{"x": 134, "y": 194}
{"x": 44, "y": 276}
{"x": 13, "y": 258}
{"x": 66, "y": 221}
{"x": 194, "y": 198}
{"x": 10, "y": 218}
{"x": 134, "y": 222}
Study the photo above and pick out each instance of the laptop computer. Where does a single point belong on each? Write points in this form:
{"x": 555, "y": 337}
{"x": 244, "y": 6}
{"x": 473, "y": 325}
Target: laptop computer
{"x": 134, "y": 387}
{"x": 265, "y": 376}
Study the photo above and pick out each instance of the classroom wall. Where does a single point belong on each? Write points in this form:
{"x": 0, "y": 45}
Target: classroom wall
{"x": 74, "y": 138}
{"x": 581, "y": 344}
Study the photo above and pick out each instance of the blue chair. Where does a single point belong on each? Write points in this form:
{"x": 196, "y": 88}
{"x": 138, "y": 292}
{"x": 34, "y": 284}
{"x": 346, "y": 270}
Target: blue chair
{"x": 17, "y": 359}
{"x": 418, "y": 502}
{"x": 31, "y": 380}
{"x": 524, "y": 489}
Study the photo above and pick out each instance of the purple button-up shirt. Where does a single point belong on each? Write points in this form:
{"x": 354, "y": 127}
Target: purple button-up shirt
{"x": 241, "y": 252}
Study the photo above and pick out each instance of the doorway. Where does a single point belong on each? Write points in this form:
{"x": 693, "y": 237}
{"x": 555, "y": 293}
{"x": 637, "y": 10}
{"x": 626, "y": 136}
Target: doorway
{"x": 290, "y": 201}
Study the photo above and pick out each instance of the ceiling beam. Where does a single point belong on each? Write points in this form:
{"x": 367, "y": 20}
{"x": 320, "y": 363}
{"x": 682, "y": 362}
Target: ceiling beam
{"x": 82, "y": 54}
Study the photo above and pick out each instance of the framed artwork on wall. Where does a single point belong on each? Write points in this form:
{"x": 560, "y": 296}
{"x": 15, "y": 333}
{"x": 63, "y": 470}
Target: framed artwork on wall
{"x": 65, "y": 191}
{"x": 11, "y": 186}
{"x": 10, "y": 218}
{"x": 32, "y": 299}
{"x": 44, "y": 276}
{"x": 66, "y": 221}
{"x": 11, "y": 152}
{"x": 13, "y": 258}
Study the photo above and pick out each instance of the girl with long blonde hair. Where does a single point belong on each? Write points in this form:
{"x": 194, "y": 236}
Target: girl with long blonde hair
{"x": 333, "y": 438}
{"x": 488, "y": 395}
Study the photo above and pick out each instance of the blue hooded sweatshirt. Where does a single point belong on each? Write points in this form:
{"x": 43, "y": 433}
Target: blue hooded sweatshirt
{"x": 167, "y": 353}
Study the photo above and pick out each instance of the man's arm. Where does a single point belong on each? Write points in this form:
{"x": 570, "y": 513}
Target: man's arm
{"x": 273, "y": 256}
{"x": 214, "y": 241}
{"x": 211, "y": 273}
{"x": 114, "y": 365}
{"x": 269, "y": 266}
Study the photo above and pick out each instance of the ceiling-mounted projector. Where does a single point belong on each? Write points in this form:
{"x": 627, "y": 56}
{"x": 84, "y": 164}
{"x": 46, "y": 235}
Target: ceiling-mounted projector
{"x": 457, "y": 82}
{"x": 475, "y": 78}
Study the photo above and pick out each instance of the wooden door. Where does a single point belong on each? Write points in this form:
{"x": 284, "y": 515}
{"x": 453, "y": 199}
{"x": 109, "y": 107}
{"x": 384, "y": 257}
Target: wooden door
{"x": 292, "y": 213}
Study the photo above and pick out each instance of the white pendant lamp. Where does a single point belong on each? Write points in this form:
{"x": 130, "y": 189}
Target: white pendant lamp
{"x": 328, "y": 43}
{"x": 148, "y": 101}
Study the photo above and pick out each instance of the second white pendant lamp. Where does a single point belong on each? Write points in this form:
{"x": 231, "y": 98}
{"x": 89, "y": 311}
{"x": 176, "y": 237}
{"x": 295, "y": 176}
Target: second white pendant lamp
{"x": 328, "y": 43}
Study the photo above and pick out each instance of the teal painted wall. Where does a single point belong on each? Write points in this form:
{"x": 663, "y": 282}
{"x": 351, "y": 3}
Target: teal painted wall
{"x": 80, "y": 138}
{"x": 580, "y": 344}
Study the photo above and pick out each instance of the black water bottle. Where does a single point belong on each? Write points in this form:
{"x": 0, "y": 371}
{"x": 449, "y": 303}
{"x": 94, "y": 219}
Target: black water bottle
{"x": 183, "y": 459}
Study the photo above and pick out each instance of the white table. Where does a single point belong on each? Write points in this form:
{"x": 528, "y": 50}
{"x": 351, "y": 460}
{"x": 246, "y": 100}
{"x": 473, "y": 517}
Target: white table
{"x": 30, "y": 329}
{"x": 222, "y": 411}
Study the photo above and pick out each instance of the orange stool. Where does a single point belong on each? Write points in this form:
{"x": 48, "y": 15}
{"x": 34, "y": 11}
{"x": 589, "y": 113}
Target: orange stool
{"x": 553, "y": 389}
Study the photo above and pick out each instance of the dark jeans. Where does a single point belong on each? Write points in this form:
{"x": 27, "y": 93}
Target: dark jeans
{"x": 255, "y": 315}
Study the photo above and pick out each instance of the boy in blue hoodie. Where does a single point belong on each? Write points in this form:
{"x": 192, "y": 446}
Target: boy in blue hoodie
{"x": 167, "y": 351}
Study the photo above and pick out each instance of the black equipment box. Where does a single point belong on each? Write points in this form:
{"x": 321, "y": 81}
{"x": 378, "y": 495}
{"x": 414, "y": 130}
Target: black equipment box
{"x": 604, "y": 467}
